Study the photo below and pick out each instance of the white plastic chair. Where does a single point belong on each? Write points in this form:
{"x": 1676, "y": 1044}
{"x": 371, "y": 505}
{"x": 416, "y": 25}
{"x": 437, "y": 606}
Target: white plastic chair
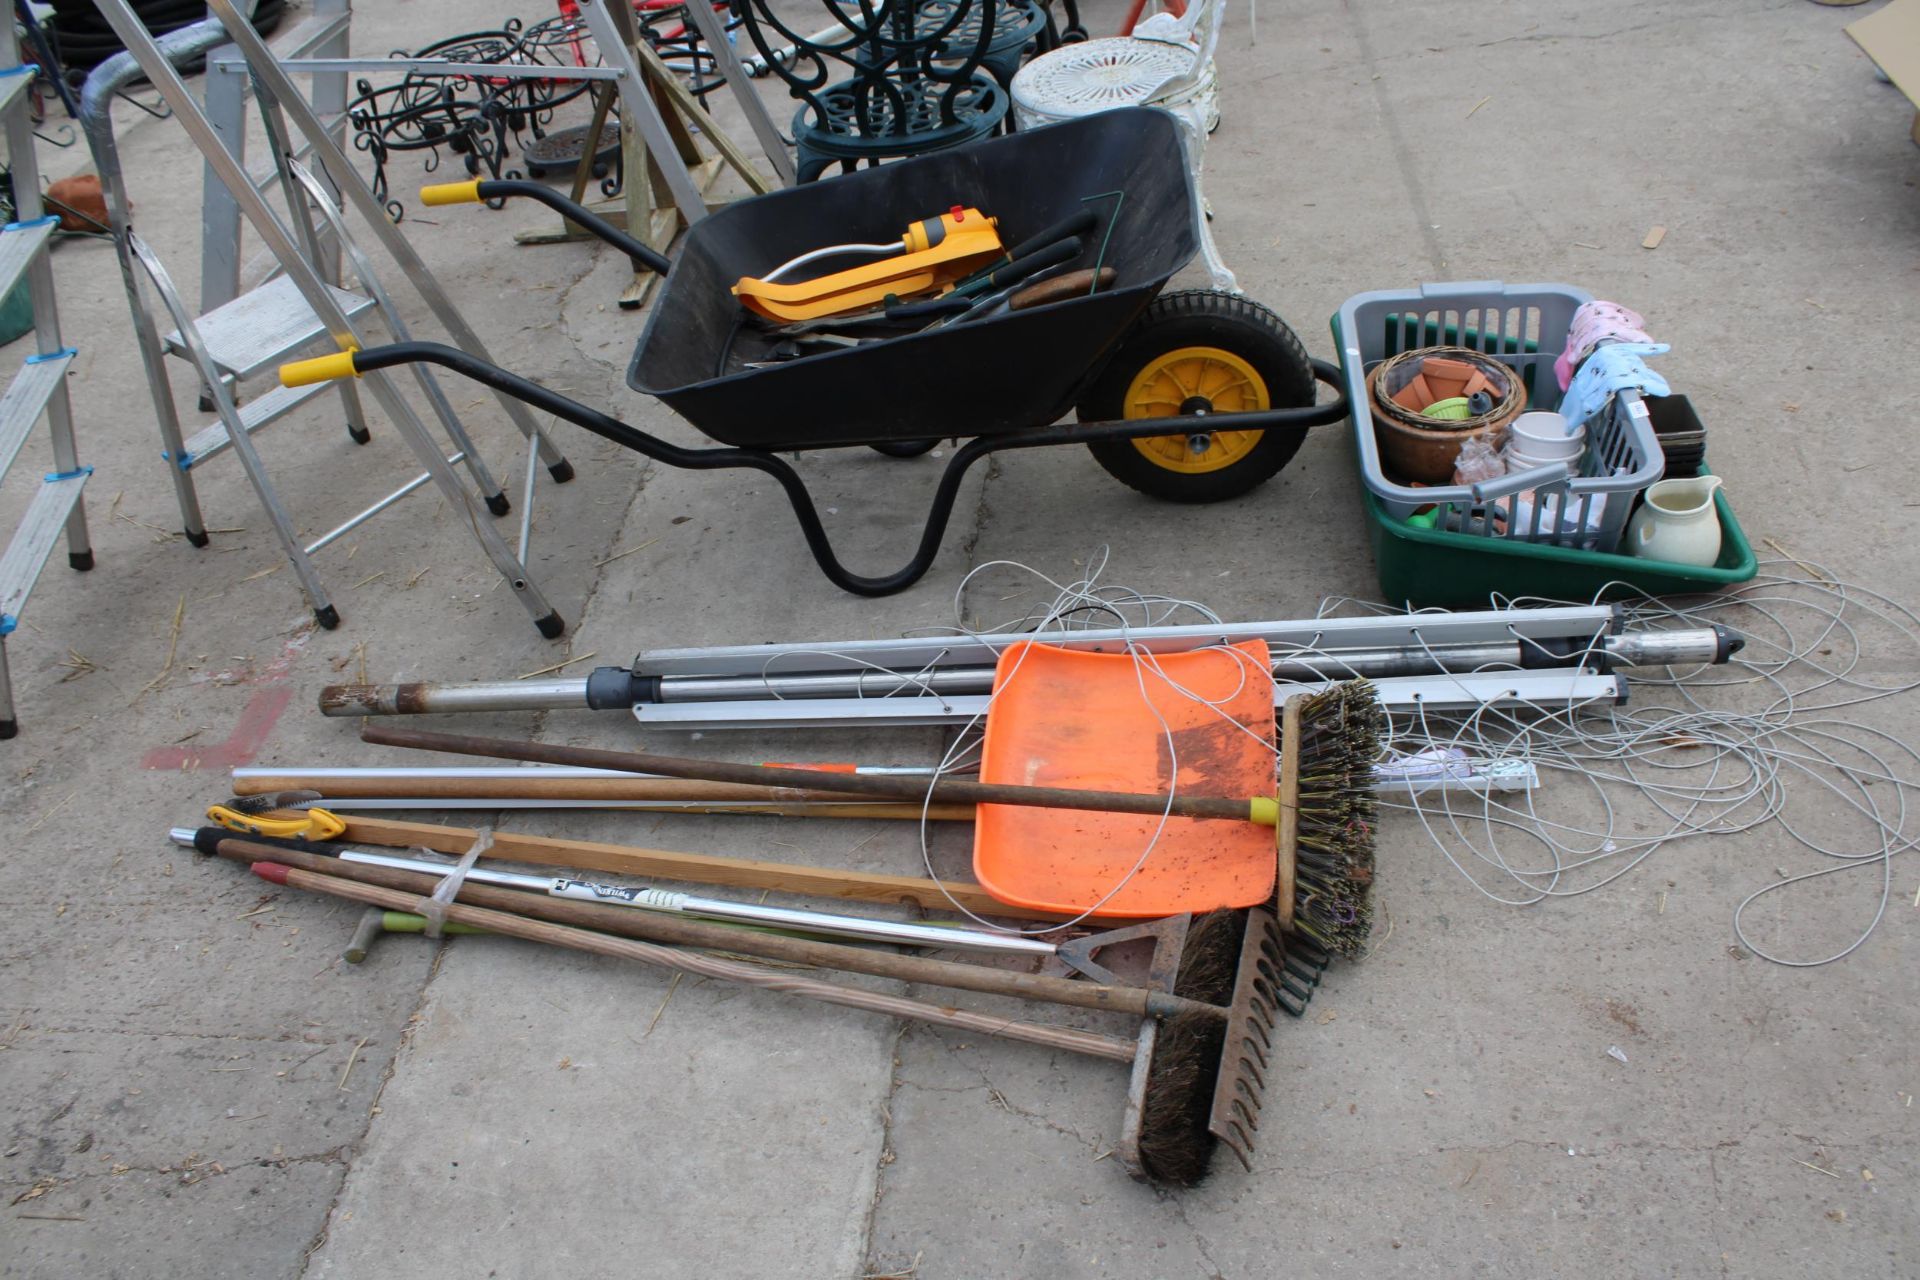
{"x": 1167, "y": 62}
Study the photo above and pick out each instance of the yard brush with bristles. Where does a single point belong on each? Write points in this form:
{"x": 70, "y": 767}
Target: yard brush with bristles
{"x": 1174, "y": 1146}
{"x": 1323, "y": 892}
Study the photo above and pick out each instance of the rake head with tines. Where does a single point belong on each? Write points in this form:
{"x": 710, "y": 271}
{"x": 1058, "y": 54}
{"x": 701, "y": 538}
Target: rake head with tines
{"x": 1264, "y": 986}
{"x": 1199, "y": 1076}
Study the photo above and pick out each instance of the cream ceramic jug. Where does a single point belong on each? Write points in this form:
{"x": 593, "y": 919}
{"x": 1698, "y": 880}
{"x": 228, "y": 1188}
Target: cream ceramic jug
{"x": 1677, "y": 522}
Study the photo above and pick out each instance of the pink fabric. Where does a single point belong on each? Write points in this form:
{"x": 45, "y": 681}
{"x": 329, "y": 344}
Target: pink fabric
{"x": 1593, "y": 323}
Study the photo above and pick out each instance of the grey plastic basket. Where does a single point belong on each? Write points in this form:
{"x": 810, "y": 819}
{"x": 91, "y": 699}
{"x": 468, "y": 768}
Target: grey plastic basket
{"x": 1524, "y": 326}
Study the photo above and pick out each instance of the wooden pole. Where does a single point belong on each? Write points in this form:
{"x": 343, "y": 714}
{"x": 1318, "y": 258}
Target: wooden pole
{"x": 536, "y": 787}
{"x": 695, "y": 868}
{"x": 951, "y": 790}
{"x": 684, "y": 931}
{"x": 514, "y": 926}
{"x": 1287, "y": 833}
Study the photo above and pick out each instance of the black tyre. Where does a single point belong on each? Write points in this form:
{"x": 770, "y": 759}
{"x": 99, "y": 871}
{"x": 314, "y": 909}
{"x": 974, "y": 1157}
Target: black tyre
{"x": 1195, "y": 353}
{"x": 904, "y": 448}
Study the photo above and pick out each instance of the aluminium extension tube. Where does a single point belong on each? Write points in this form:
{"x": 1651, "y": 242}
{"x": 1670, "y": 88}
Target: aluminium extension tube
{"x": 622, "y": 688}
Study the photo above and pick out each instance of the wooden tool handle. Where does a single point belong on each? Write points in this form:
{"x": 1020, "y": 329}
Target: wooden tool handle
{"x": 535, "y": 787}
{"x": 667, "y": 795}
{"x": 1287, "y": 827}
{"x": 694, "y": 868}
{"x": 687, "y": 932}
{"x": 1074, "y": 284}
{"x": 950, "y": 790}
{"x": 515, "y": 926}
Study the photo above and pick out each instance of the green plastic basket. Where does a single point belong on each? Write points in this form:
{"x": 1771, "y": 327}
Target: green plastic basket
{"x": 1422, "y": 565}
{"x": 1425, "y": 567}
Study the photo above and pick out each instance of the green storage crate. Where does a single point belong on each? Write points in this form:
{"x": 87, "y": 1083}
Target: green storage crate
{"x": 1426, "y": 567}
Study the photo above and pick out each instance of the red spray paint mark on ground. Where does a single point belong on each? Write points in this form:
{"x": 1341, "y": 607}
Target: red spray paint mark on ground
{"x": 257, "y": 719}
{"x": 251, "y": 731}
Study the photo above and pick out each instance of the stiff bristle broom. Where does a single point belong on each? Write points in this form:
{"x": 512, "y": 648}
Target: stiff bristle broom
{"x": 1329, "y": 742}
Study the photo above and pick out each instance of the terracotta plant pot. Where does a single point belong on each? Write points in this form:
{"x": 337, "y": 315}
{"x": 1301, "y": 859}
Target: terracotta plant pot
{"x": 1417, "y": 449}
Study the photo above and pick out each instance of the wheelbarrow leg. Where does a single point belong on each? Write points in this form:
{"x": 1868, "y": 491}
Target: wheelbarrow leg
{"x": 923, "y": 557}
{"x": 369, "y": 359}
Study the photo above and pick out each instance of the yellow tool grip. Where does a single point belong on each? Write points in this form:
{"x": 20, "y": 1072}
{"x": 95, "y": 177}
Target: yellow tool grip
{"x": 303, "y": 373}
{"x": 311, "y": 824}
{"x": 451, "y": 193}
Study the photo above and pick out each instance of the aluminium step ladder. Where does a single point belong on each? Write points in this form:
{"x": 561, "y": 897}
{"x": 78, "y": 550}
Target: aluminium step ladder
{"x": 302, "y": 309}
{"x": 39, "y": 390}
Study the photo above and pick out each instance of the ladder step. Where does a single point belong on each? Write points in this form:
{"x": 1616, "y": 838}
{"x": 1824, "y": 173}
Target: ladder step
{"x": 14, "y": 82}
{"x": 26, "y": 400}
{"x": 33, "y": 541}
{"x": 213, "y": 439}
{"x": 19, "y": 243}
{"x": 262, "y": 326}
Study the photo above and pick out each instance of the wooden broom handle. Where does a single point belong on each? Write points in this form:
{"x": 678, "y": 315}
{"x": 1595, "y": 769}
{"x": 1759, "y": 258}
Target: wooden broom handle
{"x": 948, "y": 790}
{"x": 839, "y": 883}
{"x": 536, "y": 787}
{"x": 1287, "y": 801}
{"x": 513, "y": 926}
{"x": 687, "y": 931}
{"x": 678, "y": 792}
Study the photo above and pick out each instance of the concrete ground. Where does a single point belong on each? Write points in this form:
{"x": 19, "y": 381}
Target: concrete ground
{"x": 486, "y": 1108}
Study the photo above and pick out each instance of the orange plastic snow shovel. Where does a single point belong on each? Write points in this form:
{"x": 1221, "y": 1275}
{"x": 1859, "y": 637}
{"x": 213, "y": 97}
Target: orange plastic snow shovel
{"x": 1068, "y": 718}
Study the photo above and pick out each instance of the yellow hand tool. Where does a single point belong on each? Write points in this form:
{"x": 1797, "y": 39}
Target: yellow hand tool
{"x": 312, "y": 824}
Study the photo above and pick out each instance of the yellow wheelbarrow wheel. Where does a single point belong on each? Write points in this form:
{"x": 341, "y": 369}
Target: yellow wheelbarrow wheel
{"x": 1197, "y": 354}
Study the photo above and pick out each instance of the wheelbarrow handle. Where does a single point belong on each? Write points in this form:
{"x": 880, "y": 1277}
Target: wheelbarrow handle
{"x": 369, "y": 359}
{"x": 353, "y": 364}
{"x": 477, "y": 190}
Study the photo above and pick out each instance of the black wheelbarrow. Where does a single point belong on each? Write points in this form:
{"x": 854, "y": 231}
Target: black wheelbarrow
{"x": 1192, "y": 396}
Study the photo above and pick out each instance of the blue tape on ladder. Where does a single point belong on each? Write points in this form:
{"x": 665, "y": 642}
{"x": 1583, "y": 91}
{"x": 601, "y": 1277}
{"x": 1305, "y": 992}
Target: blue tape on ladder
{"x": 24, "y": 69}
{"x": 36, "y": 222}
{"x": 7, "y": 623}
{"x": 62, "y": 354}
{"x": 52, "y": 476}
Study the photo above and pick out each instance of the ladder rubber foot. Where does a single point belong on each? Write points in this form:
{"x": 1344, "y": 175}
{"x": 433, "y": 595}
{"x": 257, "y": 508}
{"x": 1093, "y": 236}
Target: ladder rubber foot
{"x": 498, "y": 504}
{"x": 9, "y": 729}
{"x": 328, "y": 618}
{"x": 359, "y": 435}
{"x": 206, "y": 403}
{"x": 199, "y": 539}
{"x": 561, "y": 471}
{"x": 80, "y": 561}
{"x": 551, "y": 626}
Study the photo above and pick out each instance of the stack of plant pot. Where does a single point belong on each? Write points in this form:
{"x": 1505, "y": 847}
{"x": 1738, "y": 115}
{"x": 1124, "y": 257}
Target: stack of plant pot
{"x": 1428, "y": 402}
